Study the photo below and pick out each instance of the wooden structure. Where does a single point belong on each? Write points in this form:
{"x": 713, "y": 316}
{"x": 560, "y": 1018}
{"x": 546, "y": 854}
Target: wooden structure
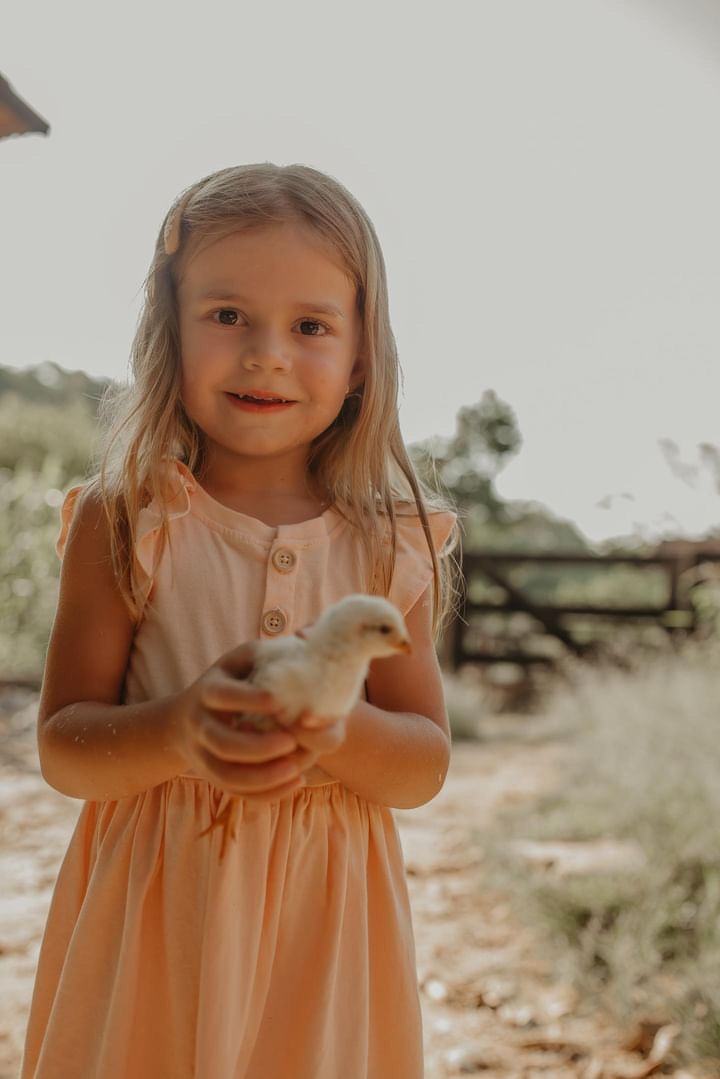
{"x": 466, "y": 643}
{"x": 16, "y": 116}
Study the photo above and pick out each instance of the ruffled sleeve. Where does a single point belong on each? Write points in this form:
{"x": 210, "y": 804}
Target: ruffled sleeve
{"x": 66, "y": 515}
{"x": 413, "y": 564}
{"x": 177, "y": 495}
{"x": 180, "y": 482}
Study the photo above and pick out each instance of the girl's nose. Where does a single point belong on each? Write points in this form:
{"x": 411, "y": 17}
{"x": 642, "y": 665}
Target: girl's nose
{"x": 265, "y": 349}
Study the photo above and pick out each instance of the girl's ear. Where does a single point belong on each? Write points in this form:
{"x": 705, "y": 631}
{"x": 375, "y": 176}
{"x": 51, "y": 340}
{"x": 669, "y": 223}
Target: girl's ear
{"x": 357, "y": 374}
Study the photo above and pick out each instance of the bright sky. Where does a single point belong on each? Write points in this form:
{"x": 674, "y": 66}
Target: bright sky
{"x": 543, "y": 177}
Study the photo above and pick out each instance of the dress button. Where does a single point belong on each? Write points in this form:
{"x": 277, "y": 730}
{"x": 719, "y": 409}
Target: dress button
{"x": 274, "y": 621}
{"x": 283, "y": 560}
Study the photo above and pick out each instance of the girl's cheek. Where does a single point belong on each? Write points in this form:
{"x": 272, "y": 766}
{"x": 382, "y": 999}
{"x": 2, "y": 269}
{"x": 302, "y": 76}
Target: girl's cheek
{"x": 196, "y": 350}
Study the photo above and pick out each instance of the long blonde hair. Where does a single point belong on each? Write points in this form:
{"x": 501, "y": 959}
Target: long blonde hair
{"x": 359, "y": 463}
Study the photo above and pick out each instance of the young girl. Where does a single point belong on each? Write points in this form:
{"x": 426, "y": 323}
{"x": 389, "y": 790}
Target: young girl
{"x": 256, "y": 474}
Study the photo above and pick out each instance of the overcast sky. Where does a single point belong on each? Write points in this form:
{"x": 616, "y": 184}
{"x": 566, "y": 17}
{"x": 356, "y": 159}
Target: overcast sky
{"x": 543, "y": 176}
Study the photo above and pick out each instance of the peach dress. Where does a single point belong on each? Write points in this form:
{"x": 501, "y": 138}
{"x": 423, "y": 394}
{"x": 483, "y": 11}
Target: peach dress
{"x": 293, "y": 958}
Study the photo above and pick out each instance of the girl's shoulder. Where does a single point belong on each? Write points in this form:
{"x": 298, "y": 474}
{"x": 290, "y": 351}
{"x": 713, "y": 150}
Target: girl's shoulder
{"x": 442, "y": 522}
{"x": 89, "y": 583}
{"x": 413, "y": 570}
{"x": 81, "y": 506}
{"x": 133, "y": 548}
{"x": 177, "y": 482}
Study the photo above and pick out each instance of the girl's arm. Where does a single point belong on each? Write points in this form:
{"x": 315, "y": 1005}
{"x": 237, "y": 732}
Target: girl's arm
{"x": 397, "y": 748}
{"x": 92, "y": 747}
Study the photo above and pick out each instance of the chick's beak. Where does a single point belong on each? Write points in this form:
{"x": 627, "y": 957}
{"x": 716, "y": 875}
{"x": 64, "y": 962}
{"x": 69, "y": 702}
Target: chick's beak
{"x": 403, "y": 645}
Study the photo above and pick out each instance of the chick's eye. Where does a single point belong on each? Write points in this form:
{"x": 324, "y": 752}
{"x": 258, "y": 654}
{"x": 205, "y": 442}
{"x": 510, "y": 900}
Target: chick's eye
{"x": 226, "y": 311}
{"x": 385, "y": 629}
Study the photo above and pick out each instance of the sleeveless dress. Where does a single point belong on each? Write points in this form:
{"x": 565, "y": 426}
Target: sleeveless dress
{"x": 293, "y": 957}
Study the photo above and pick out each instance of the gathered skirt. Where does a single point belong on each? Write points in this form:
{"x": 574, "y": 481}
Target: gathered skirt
{"x": 290, "y": 958}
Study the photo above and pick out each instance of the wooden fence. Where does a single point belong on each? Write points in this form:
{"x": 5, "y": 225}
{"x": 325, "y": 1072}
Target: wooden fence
{"x": 467, "y": 642}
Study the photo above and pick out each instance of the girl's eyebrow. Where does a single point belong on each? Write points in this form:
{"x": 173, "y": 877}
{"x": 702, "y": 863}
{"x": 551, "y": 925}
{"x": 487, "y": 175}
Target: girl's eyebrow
{"x": 321, "y": 306}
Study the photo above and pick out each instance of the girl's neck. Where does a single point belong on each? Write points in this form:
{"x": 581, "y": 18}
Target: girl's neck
{"x": 270, "y": 508}
{"x": 274, "y": 498}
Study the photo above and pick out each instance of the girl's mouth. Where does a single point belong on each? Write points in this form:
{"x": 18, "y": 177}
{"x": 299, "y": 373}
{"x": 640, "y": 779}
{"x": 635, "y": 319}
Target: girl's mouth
{"x": 249, "y": 403}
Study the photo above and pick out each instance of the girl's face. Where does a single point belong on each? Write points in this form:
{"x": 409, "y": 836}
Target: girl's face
{"x": 267, "y": 312}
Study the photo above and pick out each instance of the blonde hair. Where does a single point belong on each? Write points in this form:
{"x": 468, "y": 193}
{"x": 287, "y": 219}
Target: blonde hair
{"x": 359, "y": 463}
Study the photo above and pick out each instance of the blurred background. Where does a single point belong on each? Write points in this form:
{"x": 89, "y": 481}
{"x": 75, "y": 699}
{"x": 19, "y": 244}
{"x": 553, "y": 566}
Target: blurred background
{"x": 543, "y": 178}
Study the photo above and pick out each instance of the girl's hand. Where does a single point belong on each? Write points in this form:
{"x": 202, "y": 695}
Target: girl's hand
{"x": 319, "y": 734}
{"x": 261, "y": 766}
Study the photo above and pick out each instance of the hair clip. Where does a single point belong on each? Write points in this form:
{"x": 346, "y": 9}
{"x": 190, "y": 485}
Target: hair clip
{"x": 173, "y": 224}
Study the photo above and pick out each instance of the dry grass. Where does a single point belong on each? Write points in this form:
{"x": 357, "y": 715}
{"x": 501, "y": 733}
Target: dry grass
{"x": 645, "y": 768}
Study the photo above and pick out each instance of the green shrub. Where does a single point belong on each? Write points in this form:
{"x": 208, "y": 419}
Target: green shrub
{"x": 29, "y": 566}
{"x": 32, "y": 431}
{"x": 646, "y": 768}
{"x": 44, "y": 449}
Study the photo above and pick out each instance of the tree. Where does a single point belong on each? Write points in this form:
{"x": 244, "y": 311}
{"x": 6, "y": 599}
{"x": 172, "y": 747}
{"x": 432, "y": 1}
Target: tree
{"x": 466, "y": 465}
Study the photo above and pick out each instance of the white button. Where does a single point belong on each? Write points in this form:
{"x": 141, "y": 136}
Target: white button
{"x": 274, "y": 621}
{"x": 284, "y": 560}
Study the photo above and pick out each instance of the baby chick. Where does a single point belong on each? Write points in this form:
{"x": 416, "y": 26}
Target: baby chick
{"x": 322, "y": 673}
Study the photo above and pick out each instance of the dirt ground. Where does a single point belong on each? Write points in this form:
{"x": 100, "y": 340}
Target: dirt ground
{"x": 490, "y": 1006}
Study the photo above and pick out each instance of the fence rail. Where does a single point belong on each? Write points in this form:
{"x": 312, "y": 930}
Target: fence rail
{"x": 554, "y": 622}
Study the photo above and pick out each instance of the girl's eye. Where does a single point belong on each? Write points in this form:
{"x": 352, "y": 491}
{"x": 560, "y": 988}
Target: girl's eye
{"x": 227, "y": 317}
{"x": 226, "y": 311}
{"x": 313, "y": 322}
